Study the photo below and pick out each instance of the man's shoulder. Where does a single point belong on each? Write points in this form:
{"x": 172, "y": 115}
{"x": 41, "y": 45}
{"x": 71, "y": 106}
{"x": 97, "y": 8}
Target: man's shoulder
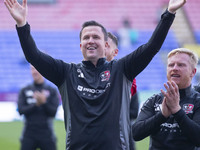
{"x": 154, "y": 99}
{"x": 196, "y": 92}
{"x": 157, "y": 96}
{"x": 28, "y": 86}
{"x": 197, "y": 88}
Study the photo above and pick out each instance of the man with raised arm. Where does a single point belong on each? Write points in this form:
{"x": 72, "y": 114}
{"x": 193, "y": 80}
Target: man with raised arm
{"x": 92, "y": 90}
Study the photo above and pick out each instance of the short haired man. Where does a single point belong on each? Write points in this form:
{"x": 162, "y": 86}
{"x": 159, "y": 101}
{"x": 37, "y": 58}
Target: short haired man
{"x": 38, "y": 102}
{"x": 171, "y": 118}
{"x": 92, "y": 90}
{"x": 131, "y": 98}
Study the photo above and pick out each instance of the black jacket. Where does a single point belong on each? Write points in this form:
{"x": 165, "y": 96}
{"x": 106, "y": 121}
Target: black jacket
{"x": 95, "y": 98}
{"x": 179, "y": 131}
{"x": 38, "y": 120}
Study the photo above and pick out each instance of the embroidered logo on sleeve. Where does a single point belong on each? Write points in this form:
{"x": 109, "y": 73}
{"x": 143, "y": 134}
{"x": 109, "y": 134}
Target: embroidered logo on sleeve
{"x": 158, "y": 107}
{"x": 188, "y": 108}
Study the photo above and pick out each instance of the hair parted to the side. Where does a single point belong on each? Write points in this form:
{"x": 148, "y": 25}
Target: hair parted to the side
{"x": 193, "y": 56}
{"x": 113, "y": 37}
{"x": 94, "y": 23}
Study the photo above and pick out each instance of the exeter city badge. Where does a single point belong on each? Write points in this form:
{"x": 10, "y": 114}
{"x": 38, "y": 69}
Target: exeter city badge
{"x": 188, "y": 108}
{"x": 105, "y": 76}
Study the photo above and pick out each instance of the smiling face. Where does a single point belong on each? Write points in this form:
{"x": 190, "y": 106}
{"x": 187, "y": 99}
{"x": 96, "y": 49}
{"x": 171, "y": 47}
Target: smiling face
{"x": 93, "y": 44}
{"x": 180, "y": 70}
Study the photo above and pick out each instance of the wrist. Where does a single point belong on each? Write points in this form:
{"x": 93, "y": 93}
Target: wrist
{"x": 176, "y": 110}
{"x": 171, "y": 11}
{"x": 21, "y": 24}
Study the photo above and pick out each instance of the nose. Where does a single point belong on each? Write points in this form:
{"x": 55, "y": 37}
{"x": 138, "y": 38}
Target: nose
{"x": 91, "y": 40}
{"x": 175, "y": 67}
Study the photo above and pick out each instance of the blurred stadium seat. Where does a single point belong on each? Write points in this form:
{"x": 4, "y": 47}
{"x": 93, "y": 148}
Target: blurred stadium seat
{"x": 56, "y": 26}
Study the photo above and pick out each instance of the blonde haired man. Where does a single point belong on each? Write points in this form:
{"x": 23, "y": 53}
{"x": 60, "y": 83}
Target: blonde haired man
{"x": 171, "y": 118}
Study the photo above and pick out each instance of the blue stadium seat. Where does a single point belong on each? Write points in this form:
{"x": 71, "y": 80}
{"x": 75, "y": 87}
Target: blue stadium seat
{"x": 15, "y": 73}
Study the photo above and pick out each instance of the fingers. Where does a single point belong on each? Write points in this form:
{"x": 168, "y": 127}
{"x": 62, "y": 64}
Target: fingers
{"x": 164, "y": 102}
{"x": 175, "y": 87}
{"x": 12, "y": 2}
{"x": 167, "y": 87}
{"x": 184, "y": 1}
{"x": 163, "y": 92}
{"x": 165, "y": 110}
{"x": 24, "y": 4}
{"x": 8, "y": 3}
{"x": 174, "y": 5}
{"x": 171, "y": 97}
{"x": 171, "y": 89}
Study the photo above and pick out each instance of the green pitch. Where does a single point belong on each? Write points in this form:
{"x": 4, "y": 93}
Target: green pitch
{"x": 10, "y": 133}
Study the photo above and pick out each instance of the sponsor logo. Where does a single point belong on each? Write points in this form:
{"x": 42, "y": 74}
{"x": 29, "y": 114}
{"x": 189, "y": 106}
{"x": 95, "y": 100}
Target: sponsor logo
{"x": 91, "y": 92}
{"x": 80, "y": 88}
{"x": 84, "y": 89}
{"x": 169, "y": 125}
{"x": 29, "y": 93}
{"x": 158, "y": 107}
{"x": 80, "y": 73}
{"x": 105, "y": 76}
{"x": 31, "y": 101}
{"x": 188, "y": 108}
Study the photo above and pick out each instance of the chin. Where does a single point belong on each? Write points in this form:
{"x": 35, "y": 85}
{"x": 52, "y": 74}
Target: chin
{"x": 91, "y": 57}
{"x": 175, "y": 80}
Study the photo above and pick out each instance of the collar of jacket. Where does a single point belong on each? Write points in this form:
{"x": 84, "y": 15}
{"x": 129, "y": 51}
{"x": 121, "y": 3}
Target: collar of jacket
{"x": 89, "y": 64}
{"x": 185, "y": 92}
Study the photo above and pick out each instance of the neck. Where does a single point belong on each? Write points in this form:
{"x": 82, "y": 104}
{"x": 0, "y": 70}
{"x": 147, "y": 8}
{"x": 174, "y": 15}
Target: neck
{"x": 93, "y": 61}
{"x": 39, "y": 81}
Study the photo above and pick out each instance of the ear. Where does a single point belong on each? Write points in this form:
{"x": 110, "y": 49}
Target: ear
{"x": 193, "y": 72}
{"x": 106, "y": 44}
{"x": 80, "y": 45}
{"x": 115, "y": 52}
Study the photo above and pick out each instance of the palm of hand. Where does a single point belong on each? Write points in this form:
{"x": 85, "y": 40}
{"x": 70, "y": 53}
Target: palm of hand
{"x": 17, "y": 11}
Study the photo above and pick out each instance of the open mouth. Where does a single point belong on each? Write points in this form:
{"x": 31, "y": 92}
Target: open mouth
{"x": 91, "y": 48}
{"x": 175, "y": 76}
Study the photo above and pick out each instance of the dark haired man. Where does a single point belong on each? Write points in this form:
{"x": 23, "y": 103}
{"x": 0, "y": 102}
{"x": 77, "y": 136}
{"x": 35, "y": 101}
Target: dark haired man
{"x": 92, "y": 91}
